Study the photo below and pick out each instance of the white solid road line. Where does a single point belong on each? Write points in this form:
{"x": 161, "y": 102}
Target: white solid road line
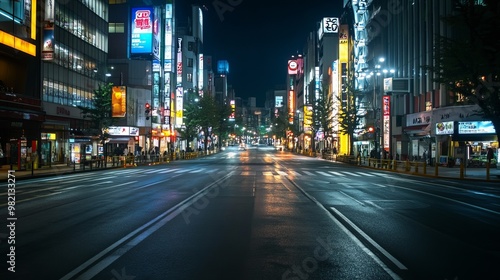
{"x": 99, "y": 262}
{"x": 353, "y": 237}
{"x": 371, "y": 241}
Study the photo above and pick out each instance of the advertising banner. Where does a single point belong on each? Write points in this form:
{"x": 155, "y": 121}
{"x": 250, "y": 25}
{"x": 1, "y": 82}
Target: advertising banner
{"x": 119, "y": 101}
{"x": 48, "y": 42}
{"x": 479, "y": 127}
{"x": 141, "y": 28}
{"x": 444, "y": 128}
{"x": 386, "y": 111}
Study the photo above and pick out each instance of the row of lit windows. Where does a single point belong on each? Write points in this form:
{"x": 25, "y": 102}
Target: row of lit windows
{"x": 76, "y": 26}
{"x": 99, "y": 7}
{"x": 64, "y": 94}
{"x": 116, "y": 27}
{"x": 74, "y": 60}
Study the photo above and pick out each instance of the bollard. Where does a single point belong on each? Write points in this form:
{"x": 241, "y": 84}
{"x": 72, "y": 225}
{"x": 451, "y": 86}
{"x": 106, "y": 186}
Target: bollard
{"x": 425, "y": 168}
{"x": 461, "y": 170}
{"x": 407, "y": 166}
{"x": 436, "y": 165}
{"x": 394, "y": 163}
{"x": 416, "y": 167}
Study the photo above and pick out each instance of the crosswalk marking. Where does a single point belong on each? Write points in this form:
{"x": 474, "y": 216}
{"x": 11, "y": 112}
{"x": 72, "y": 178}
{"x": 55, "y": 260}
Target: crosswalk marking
{"x": 168, "y": 170}
{"x": 180, "y": 171}
{"x": 276, "y": 172}
{"x": 294, "y": 173}
{"x": 154, "y": 171}
{"x": 324, "y": 173}
{"x": 336, "y": 173}
{"x": 351, "y": 173}
{"x": 197, "y": 170}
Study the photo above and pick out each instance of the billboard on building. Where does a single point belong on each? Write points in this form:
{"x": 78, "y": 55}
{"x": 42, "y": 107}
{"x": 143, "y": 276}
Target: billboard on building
{"x": 179, "y": 106}
{"x": 222, "y": 67}
{"x": 386, "y": 112}
{"x": 48, "y": 42}
{"x": 156, "y": 33}
{"x": 200, "y": 74}
{"x": 179, "y": 61}
{"x": 141, "y": 31}
{"x": 291, "y": 106}
{"x": 119, "y": 101}
{"x": 232, "y": 116}
{"x": 278, "y": 101}
{"x": 49, "y": 11}
{"x": 330, "y": 25}
{"x": 292, "y": 67}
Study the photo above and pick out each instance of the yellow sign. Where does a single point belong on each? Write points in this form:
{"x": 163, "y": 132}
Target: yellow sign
{"x": 119, "y": 101}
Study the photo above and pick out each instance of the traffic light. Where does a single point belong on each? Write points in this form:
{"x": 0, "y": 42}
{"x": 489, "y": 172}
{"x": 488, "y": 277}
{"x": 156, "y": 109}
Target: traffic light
{"x": 147, "y": 110}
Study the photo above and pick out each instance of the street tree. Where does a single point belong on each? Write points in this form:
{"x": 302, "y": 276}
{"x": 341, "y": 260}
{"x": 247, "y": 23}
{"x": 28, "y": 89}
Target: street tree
{"x": 323, "y": 116}
{"x": 221, "y": 126}
{"x": 207, "y": 116}
{"x": 348, "y": 115}
{"x": 191, "y": 125}
{"x": 468, "y": 60}
{"x": 99, "y": 114}
{"x": 280, "y": 125}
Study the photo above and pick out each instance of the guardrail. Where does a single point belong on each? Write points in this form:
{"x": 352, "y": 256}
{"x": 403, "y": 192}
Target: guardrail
{"x": 411, "y": 167}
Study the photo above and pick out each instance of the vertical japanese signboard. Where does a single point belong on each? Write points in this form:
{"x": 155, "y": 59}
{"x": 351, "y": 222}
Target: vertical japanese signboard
{"x": 386, "y": 111}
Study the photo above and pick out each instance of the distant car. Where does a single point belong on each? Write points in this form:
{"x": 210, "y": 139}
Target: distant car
{"x": 242, "y": 147}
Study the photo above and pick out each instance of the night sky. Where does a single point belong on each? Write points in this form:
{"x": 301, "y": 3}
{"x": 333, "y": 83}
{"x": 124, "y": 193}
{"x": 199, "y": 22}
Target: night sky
{"x": 257, "y": 37}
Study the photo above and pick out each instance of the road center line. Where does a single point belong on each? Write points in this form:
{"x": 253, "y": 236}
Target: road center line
{"x": 135, "y": 237}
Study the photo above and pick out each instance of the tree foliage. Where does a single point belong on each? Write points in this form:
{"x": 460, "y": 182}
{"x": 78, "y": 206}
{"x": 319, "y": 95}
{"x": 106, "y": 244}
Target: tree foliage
{"x": 468, "y": 60}
{"x": 349, "y": 117}
{"x": 191, "y": 125}
{"x": 99, "y": 114}
{"x": 323, "y": 117}
{"x": 206, "y": 115}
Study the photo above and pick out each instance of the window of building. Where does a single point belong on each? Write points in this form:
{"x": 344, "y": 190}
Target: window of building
{"x": 189, "y": 62}
{"x": 189, "y": 78}
{"x": 190, "y": 46}
{"x": 115, "y": 27}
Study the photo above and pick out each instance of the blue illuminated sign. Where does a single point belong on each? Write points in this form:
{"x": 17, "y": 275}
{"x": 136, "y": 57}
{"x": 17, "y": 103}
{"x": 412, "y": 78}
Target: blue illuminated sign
{"x": 141, "y": 29}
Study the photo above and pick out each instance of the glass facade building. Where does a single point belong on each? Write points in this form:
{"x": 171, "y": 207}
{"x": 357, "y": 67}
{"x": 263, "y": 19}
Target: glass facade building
{"x": 73, "y": 66}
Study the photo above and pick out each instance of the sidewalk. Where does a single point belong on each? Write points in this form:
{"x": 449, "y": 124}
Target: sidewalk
{"x": 54, "y": 170}
{"x": 418, "y": 168}
{"x": 122, "y": 162}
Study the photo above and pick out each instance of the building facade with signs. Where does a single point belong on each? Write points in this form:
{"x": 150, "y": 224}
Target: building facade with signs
{"x": 143, "y": 60}
{"x": 74, "y": 53}
{"x": 21, "y": 114}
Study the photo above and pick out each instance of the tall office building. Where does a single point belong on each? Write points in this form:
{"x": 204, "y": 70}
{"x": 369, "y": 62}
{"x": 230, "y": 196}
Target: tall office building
{"x": 74, "y": 54}
{"x": 21, "y": 114}
{"x": 142, "y": 62}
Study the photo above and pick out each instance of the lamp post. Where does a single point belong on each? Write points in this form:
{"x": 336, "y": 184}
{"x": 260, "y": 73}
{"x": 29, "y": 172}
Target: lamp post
{"x": 376, "y": 72}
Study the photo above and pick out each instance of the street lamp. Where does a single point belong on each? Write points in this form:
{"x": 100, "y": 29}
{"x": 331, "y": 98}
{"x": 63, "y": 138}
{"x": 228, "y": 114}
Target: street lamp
{"x": 377, "y": 71}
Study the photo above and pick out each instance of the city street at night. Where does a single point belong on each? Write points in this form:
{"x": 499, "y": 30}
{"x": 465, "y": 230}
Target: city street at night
{"x": 257, "y": 213}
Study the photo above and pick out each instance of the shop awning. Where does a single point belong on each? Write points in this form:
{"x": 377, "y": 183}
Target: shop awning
{"x": 119, "y": 140}
{"x": 424, "y": 129}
